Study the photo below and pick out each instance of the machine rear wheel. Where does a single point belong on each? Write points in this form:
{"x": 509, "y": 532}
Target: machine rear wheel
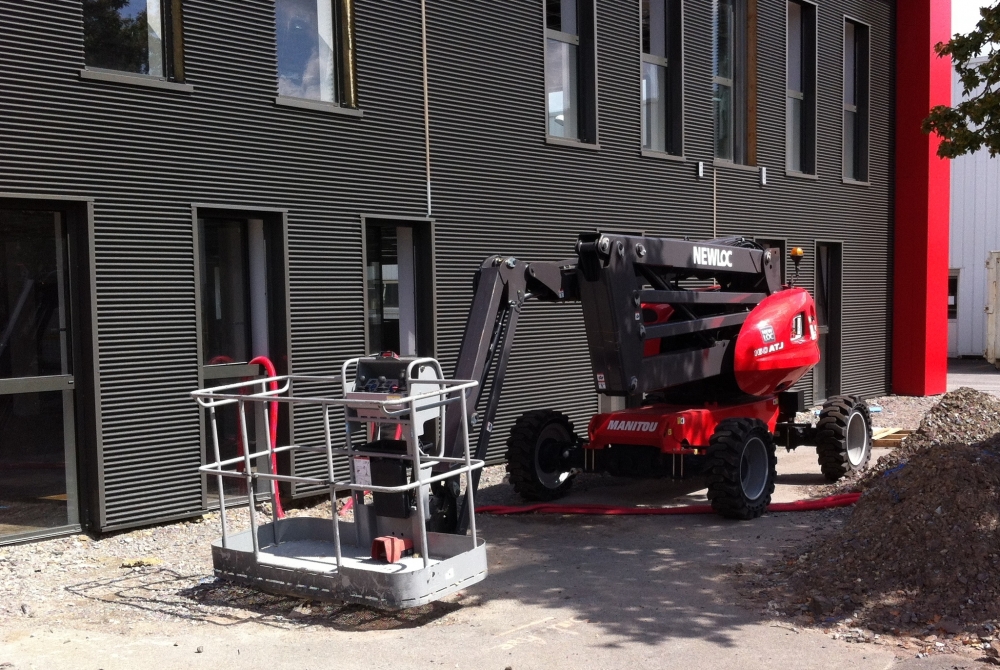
{"x": 535, "y": 451}
{"x": 741, "y": 468}
{"x": 843, "y": 436}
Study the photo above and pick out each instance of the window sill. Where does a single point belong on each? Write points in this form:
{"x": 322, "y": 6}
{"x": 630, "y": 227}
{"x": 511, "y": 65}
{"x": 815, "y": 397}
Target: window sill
{"x": 317, "y": 105}
{"x": 801, "y": 175}
{"x": 855, "y": 182}
{"x": 649, "y": 153}
{"x": 135, "y": 80}
{"x": 566, "y": 142}
{"x": 735, "y": 166}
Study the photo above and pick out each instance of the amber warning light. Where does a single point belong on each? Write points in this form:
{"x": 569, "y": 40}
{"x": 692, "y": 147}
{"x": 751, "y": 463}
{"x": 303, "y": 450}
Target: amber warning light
{"x": 796, "y": 253}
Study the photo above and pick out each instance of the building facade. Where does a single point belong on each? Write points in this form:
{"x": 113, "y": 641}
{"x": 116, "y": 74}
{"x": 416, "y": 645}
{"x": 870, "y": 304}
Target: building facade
{"x": 312, "y": 179}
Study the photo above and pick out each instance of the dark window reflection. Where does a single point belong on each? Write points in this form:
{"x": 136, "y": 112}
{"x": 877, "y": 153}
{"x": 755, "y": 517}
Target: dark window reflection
{"x": 306, "y": 54}
{"x": 382, "y": 275}
{"x": 33, "y": 316}
{"x": 32, "y": 463}
{"x": 225, "y": 292}
{"x": 125, "y": 35}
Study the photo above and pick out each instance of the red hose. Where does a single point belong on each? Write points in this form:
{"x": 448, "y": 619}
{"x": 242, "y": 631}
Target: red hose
{"x": 279, "y": 511}
{"x": 840, "y": 500}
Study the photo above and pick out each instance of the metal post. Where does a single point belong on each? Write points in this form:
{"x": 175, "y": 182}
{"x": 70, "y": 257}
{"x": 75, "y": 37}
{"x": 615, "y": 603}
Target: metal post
{"x": 333, "y": 488}
{"x": 414, "y": 447}
{"x": 470, "y": 503}
{"x": 219, "y": 479}
{"x": 249, "y": 478}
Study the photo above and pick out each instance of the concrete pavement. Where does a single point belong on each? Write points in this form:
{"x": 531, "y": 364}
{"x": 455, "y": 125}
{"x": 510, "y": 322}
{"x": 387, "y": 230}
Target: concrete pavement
{"x": 975, "y": 373}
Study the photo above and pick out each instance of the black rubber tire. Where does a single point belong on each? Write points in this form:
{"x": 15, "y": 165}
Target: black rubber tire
{"x": 734, "y": 441}
{"x": 532, "y": 432}
{"x": 835, "y": 440}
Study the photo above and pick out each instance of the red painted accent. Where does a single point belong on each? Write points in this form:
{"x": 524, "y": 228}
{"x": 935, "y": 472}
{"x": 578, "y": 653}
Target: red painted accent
{"x": 673, "y": 429}
{"x": 920, "y": 273}
{"x": 769, "y": 357}
{"x": 654, "y": 314}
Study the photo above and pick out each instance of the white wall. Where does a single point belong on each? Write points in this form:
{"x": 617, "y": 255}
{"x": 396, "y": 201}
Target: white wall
{"x": 975, "y": 231}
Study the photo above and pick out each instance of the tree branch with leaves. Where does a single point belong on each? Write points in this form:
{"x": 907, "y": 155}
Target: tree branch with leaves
{"x": 973, "y": 123}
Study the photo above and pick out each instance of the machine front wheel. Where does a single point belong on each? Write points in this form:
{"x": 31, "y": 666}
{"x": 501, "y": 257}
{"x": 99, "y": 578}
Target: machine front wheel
{"x": 741, "y": 468}
{"x": 843, "y": 436}
{"x": 536, "y": 454}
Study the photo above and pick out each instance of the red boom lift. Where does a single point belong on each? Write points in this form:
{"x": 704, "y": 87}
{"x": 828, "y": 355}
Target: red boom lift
{"x": 702, "y": 340}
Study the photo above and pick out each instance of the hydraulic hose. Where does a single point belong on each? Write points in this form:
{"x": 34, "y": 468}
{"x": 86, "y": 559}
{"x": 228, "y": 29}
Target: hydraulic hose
{"x": 272, "y": 420}
{"x": 840, "y": 500}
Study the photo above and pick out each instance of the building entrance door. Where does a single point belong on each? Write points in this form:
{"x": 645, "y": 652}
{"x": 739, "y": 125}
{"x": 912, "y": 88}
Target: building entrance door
{"x": 826, "y": 375}
{"x": 38, "y": 480}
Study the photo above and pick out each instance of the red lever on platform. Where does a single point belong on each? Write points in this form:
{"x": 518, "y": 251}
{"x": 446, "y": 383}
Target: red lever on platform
{"x": 390, "y": 549}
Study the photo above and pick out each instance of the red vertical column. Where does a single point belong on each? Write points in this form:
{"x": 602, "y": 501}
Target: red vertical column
{"x": 923, "y": 187}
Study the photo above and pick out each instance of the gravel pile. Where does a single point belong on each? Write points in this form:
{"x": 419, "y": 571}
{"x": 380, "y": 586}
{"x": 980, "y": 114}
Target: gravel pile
{"x": 962, "y": 416}
{"x": 919, "y": 556}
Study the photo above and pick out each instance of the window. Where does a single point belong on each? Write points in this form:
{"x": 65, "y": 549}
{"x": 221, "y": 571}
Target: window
{"x": 315, "y": 43}
{"x": 569, "y": 70}
{"x": 733, "y": 79}
{"x": 953, "y": 295}
{"x": 801, "y": 88}
{"x": 399, "y": 293}
{"x": 662, "y": 79}
{"x": 136, "y": 36}
{"x": 855, "y": 101}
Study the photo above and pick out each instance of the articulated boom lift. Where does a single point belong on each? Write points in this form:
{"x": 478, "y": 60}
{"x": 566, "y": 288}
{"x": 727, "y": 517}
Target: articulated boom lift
{"x": 702, "y": 341}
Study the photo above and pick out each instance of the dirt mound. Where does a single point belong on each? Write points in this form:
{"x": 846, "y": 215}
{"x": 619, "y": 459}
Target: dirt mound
{"x": 921, "y": 549}
{"x": 963, "y": 416}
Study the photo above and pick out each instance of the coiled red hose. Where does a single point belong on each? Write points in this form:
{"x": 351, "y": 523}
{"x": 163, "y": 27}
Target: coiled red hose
{"x": 839, "y": 500}
{"x": 272, "y": 420}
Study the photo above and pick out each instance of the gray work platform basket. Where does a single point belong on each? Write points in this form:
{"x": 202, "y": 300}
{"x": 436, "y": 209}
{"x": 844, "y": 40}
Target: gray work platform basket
{"x": 331, "y": 558}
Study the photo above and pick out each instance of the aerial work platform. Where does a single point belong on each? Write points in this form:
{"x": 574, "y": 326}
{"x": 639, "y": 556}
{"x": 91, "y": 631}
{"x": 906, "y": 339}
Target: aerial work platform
{"x": 399, "y": 406}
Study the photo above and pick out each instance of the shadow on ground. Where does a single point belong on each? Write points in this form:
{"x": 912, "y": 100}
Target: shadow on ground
{"x": 197, "y": 598}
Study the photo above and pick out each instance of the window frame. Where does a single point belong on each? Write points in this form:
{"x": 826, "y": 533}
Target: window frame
{"x": 586, "y": 64}
{"x": 172, "y": 54}
{"x": 862, "y": 108}
{"x": 345, "y": 75}
{"x": 674, "y": 13}
{"x": 742, "y": 85}
{"x": 808, "y": 139}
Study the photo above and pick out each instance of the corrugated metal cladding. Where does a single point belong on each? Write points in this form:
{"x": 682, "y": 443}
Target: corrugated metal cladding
{"x": 532, "y": 198}
{"x": 147, "y": 155}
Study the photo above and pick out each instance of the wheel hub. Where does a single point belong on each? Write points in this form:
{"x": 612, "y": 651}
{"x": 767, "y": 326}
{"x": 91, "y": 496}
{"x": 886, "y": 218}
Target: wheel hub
{"x": 857, "y": 439}
{"x": 753, "y": 468}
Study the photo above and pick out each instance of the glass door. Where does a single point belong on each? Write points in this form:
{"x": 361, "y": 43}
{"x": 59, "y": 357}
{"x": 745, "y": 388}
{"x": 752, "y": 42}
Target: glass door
{"x": 826, "y": 375}
{"x": 38, "y": 492}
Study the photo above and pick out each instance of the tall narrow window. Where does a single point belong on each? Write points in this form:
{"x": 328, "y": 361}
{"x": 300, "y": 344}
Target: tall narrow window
{"x": 315, "y": 41}
{"x": 662, "y": 79}
{"x": 733, "y": 79}
{"x": 135, "y": 36}
{"x": 801, "y": 87}
{"x": 855, "y": 101}
{"x": 569, "y": 58}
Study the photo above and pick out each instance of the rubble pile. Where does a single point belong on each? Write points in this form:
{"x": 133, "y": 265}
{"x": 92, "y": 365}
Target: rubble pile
{"x": 920, "y": 553}
{"x": 963, "y": 416}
